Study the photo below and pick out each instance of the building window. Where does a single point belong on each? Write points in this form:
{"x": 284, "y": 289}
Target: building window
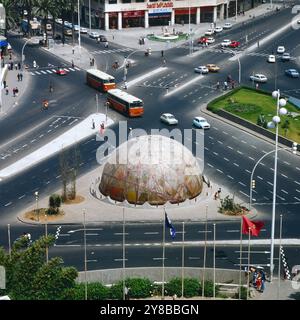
{"x": 153, "y": 0}
{"x": 139, "y": 0}
{"x": 112, "y": 1}
{"x": 126, "y": 1}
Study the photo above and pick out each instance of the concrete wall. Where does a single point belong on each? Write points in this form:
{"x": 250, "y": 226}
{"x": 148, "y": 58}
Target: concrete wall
{"x": 110, "y": 276}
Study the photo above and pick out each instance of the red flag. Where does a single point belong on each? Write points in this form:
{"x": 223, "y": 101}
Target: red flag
{"x": 253, "y": 227}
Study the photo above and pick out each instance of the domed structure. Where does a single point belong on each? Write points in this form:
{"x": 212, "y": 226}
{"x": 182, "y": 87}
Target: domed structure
{"x": 153, "y": 169}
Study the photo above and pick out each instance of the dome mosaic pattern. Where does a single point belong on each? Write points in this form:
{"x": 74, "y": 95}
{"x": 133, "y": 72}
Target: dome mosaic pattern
{"x": 156, "y": 170}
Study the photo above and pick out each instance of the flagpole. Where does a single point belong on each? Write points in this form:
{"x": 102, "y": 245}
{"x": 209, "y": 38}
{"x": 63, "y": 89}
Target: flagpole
{"x": 248, "y": 278}
{"x": 123, "y": 253}
{"x": 182, "y": 268}
{"x": 204, "y": 254}
{"x": 214, "y": 292}
{"x": 279, "y": 257}
{"x": 163, "y": 258}
{"x": 241, "y": 255}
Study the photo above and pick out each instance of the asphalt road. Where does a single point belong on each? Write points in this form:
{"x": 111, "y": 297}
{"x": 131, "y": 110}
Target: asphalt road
{"x": 230, "y": 154}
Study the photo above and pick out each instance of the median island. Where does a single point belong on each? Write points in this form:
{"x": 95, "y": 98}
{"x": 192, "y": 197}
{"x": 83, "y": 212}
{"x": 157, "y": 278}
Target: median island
{"x": 257, "y": 107}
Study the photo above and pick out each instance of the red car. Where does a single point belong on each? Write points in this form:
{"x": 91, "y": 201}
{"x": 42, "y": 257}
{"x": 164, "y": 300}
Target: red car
{"x": 61, "y": 72}
{"x": 202, "y": 40}
{"x": 234, "y": 44}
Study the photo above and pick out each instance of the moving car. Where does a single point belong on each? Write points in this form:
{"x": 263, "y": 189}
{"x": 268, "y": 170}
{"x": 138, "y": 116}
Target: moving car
{"x": 83, "y": 30}
{"x": 227, "y": 25}
{"x": 201, "y": 69}
{"x": 293, "y": 73}
{"x": 94, "y": 35}
{"x": 168, "y": 118}
{"x": 271, "y": 58}
{"x": 226, "y": 43}
{"x": 280, "y": 49}
{"x": 218, "y": 29}
{"x": 61, "y": 72}
{"x": 201, "y": 123}
{"x": 210, "y": 40}
{"x": 258, "y": 77}
{"x": 286, "y": 57}
{"x": 76, "y": 27}
{"x": 212, "y": 68}
{"x": 102, "y": 38}
{"x": 202, "y": 40}
{"x": 234, "y": 44}
{"x": 209, "y": 32}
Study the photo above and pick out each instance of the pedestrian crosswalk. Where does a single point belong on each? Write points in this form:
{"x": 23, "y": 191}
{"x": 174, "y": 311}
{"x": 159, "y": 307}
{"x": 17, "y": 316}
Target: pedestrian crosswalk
{"x": 111, "y": 51}
{"x": 40, "y": 72}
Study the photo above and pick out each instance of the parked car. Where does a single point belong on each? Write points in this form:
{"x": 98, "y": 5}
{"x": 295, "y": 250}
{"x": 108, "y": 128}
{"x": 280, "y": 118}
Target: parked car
{"x": 61, "y": 72}
{"x": 83, "y": 30}
{"x": 226, "y": 43}
{"x": 258, "y": 77}
{"x": 218, "y": 29}
{"x": 227, "y": 25}
{"x": 94, "y": 35}
{"x": 209, "y": 32}
{"x": 76, "y": 27}
{"x": 286, "y": 57}
{"x": 48, "y": 27}
{"x": 280, "y": 49}
{"x": 68, "y": 32}
{"x": 234, "y": 44}
{"x": 201, "y": 69}
{"x": 210, "y": 40}
{"x": 271, "y": 58}
{"x": 168, "y": 118}
{"x": 201, "y": 123}
{"x": 212, "y": 68}
{"x": 58, "y": 20}
{"x": 202, "y": 40}
{"x": 293, "y": 73}
{"x": 102, "y": 38}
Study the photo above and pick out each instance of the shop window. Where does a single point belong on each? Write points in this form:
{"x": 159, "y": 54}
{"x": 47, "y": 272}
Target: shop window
{"x": 126, "y": 1}
{"x": 112, "y": 1}
{"x": 139, "y": 0}
{"x": 153, "y": 0}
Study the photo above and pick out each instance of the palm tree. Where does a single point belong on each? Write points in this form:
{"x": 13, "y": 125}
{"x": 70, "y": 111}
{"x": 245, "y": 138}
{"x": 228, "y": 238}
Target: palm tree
{"x": 29, "y": 6}
{"x": 10, "y": 13}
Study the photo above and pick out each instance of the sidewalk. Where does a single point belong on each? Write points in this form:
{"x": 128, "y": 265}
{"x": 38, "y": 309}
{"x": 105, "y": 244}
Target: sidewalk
{"x": 79, "y": 56}
{"x": 129, "y": 37}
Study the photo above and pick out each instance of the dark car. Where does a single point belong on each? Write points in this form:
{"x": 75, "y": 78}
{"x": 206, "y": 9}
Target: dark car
{"x": 293, "y": 73}
{"x": 57, "y": 37}
{"x": 102, "y": 38}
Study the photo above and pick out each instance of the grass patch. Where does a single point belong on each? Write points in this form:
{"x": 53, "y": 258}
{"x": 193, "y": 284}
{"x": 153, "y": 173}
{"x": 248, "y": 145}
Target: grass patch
{"x": 250, "y": 104}
{"x": 40, "y": 215}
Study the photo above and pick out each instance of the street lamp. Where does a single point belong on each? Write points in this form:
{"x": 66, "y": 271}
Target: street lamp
{"x": 79, "y": 35}
{"x": 22, "y": 56}
{"x": 234, "y": 54}
{"x": 37, "y": 204}
{"x": 280, "y": 110}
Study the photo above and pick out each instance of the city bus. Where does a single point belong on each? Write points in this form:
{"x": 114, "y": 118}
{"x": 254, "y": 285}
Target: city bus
{"x": 125, "y": 103}
{"x": 100, "y": 80}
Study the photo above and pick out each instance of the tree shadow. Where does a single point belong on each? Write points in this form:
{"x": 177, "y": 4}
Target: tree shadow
{"x": 295, "y": 296}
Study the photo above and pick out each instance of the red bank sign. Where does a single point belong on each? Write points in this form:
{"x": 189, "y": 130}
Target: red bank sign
{"x": 158, "y": 5}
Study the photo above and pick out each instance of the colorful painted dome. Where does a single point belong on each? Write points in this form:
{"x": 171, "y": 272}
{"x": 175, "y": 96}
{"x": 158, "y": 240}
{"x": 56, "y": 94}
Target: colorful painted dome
{"x": 153, "y": 169}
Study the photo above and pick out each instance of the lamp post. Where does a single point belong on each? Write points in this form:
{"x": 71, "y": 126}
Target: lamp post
{"x": 239, "y": 62}
{"x": 90, "y": 16}
{"x": 22, "y": 54}
{"x": 37, "y": 204}
{"x": 280, "y": 110}
{"x": 79, "y": 35}
{"x": 85, "y": 261}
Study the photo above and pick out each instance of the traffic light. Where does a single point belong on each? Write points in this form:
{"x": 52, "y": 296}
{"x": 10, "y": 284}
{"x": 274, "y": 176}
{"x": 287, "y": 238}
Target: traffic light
{"x": 253, "y": 184}
{"x": 295, "y": 147}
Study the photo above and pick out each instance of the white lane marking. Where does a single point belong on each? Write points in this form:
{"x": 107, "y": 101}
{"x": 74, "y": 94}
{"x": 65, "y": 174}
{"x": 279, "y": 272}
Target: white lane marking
{"x": 226, "y": 159}
{"x": 236, "y": 164}
{"x": 230, "y": 147}
{"x": 287, "y": 163}
{"x": 233, "y": 137}
{"x": 241, "y": 183}
{"x": 186, "y": 84}
{"x": 297, "y": 182}
{"x": 270, "y": 183}
{"x": 251, "y": 158}
{"x": 230, "y": 177}
{"x": 194, "y": 258}
{"x": 239, "y": 152}
{"x": 66, "y": 69}
{"x": 253, "y": 146}
{"x": 49, "y": 71}
{"x": 248, "y": 171}
{"x": 43, "y": 72}
{"x": 53, "y": 70}
{"x": 243, "y": 193}
{"x": 284, "y": 175}
{"x": 224, "y": 132}
{"x": 144, "y": 76}
{"x": 22, "y": 196}
{"x": 281, "y": 198}
{"x": 49, "y": 130}
{"x": 71, "y": 69}
{"x": 57, "y": 177}
{"x": 37, "y": 72}
{"x": 297, "y": 190}
{"x": 8, "y": 204}
{"x": 216, "y": 128}
{"x": 233, "y": 231}
{"x": 210, "y": 137}
{"x": 220, "y": 171}
{"x": 120, "y": 233}
{"x": 210, "y": 165}
{"x": 154, "y": 232}
{"x": 41, "y": 136}
{"x": 215, "y": 153}
{"x": 284, "y": 191}
{"x": 32, "y": 140}
{"x": 297, "y": 198}
{"x": 243, "y": 141}
{"x": 259, "y": 177}
{"x": 120, "y": 259}
{"x": 91, "y": 234}
{"x": 220, "y": 142}
{"x": 33, "y": 74}
{"x": 76, "y": 68}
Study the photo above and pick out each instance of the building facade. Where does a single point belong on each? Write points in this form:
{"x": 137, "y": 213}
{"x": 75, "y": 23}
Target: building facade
{"x": 120, "y": 14}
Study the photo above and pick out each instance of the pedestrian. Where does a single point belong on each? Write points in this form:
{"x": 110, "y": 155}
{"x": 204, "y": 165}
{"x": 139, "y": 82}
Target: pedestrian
{"x": 126, "y": 293}
{"x": 73, "y": 51}
{"x": 113, "y": 37}
{"x": 164, "y": 62}
{"x": 21, "y": 76}
{"x": 19, "y": 65}
{"x": 232, "y": 84}
{"x": 4, "y": 84}
{"x": 125, "y": 85}
{"x": 18, "y": 76}
{"x": 16, "y": 91}
{"x": 219, "y": 193}
{"x": 10, "y": 56}
{"x": 7, "y": 91}
{"x": 72, "y": 63}
{"x": 162, "y": 53}
{"x": 218, "y": 85}
{"x": 16, "y": 66}
{"x": 106, "y": 44}
{"x": 34, "y": 63}
{"x": 225, "y": 85}
{"x": 256, "y": 86}
{"x": 258, "y": 281}
{"x": 257, "y": 44}
{"x": 91, "y": 63}
{"x": 11, "y": 66}
{"x": 93, "y": 124}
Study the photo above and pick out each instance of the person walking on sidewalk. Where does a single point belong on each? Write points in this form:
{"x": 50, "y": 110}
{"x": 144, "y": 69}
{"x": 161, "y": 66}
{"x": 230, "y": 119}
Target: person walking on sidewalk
{"x": 21, "y": 76}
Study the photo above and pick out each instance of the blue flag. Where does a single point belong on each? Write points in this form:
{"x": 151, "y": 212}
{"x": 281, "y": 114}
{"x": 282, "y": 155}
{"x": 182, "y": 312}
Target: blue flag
{"x": 170, "y": 226}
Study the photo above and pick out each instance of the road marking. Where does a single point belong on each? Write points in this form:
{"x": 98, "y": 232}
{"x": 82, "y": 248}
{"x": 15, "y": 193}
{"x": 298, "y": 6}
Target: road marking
{"x": 194, "y": 258}
{"x": 159, "y": 258}
{"x": 243, "y": 141}
{"x": 49, "y": 71}
{"x": 283, "y": 199}
{"x": 25, "y": 145}
{"x": 224, "y": 132}
{"x": 259, "y": 177}
{"x": 203, "y": 231}
{"x": 297, "y": 190}
{"x": 230, "y": 147}
{"x": 33, "y": 74}
{"x": 248, "y": 171}
{"x": 41, "y": 136}
{"x": 220, "y": 142}
{"x": 284, "y": 175}
{"x": 21, "y": 197}
{"x": 251, "y": 158}
{"x": 297, "y": 168}
{"x": 226, "y": 159}
{"x": 92, "y": 234}
{"x": 146, "y": 75}
{"x": 32, "y": 140}
{"x": 210, "y": 137}
{"x": 233, "y": 137}
{"x": 284, "y": 191}
{"x": 287, "y": 163}
{"x": 230, "y": 177}
{"x": 297, "y": 182}
{"x": 241, "y": 183}
{"x": 37, "y": 72}
{"x": 154, "y": 232}
{"x": 236, "y": 164}
{"x": 233, "y": 231}
{"x": 243, "y": 193}
{"x": 186, "y": 84}
{"x": 49, "y": 130}
{"x": 121, "y": 259}
{"x": 8, "y": 204}
{"x": 220, "y": 171}
{"x": 270, "y": 183}
{"x": 297, "y": 198}
{"x": 53, "y": 70}
{"x": 210, "y": 165}
{"x": 239, "y": 152}
{"x": 253, "y": 146}
{"x": 215, "y": 153}
{"x": 43, "y": 72}
{"x": 57, "y": 177}
{"x": 77, "y": 68}
{"x": 120, "y": 233}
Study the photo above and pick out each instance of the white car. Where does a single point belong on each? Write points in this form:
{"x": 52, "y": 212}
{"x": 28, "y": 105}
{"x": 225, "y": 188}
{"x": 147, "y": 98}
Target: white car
{"x": 271, "y": 58}
{"x": 94, "y": 35}
{"x": 168, "y": 118}
{"x": 227, "y": 25}
{"x": 76, "y": 27}
{"x": 58, "y": 20}
{"x": 201, "y": 69}
{"x": 209, "y": 32}
{"x": 258, "y": 78}
{"x": 210, "y": 40}
{"x": 201, "y": 123}
{"x": 83, "y": 30}
{"x": 280, "y": 49}
{"x": 218, "y": 29}
{"x": 226, "y": 43}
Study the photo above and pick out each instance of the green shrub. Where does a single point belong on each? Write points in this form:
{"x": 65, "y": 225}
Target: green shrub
{"x": 209, "y": 289}
{"x": 138, "y": 288}
{"x": 192, "y": 287}
{"x": 95, "y": 291}
{"x": 54, "y": 204}
{"x": 243, "y": 293}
